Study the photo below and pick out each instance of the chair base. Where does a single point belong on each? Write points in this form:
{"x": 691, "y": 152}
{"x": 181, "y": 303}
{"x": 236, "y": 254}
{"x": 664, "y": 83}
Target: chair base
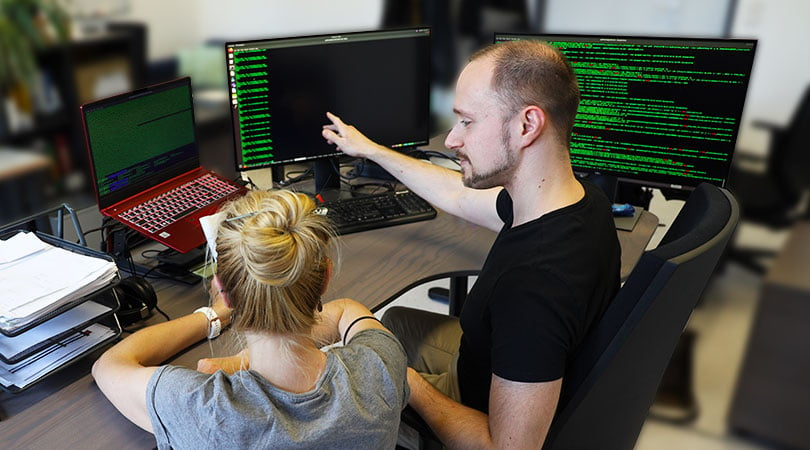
{"x": 675, "y": 399}
{"x": 674, "y": 409}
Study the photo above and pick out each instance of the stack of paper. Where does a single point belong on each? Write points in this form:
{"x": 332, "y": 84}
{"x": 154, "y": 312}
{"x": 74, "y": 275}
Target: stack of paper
{"x": 37, "y": 278}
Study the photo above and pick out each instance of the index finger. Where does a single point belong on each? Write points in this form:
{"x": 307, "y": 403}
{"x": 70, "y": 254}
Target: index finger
{"x": 335, "y": 119}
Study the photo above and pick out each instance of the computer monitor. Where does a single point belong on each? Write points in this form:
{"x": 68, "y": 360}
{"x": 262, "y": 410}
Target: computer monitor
{"x": 662, "y": 112}
{"x": 281, "y": 89}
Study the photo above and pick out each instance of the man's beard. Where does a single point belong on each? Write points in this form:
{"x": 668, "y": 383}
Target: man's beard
{"x": 497, "y": 176}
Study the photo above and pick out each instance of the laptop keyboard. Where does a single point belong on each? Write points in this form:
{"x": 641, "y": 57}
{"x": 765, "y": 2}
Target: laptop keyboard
{"x": 171, "y": 206}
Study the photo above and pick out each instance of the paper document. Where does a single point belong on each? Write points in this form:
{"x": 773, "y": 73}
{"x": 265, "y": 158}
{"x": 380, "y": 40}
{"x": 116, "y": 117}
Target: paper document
{"x": 36, "y": 280}
{"x": 19, "y": 246}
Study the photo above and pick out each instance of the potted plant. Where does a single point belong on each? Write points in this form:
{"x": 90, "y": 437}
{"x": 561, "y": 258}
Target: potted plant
{"x": 25, "y": 27}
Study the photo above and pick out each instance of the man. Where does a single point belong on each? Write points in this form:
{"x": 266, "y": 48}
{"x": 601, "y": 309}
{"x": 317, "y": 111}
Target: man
{"x": 549, "y": 276}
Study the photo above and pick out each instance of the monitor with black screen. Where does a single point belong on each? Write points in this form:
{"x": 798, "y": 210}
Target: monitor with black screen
{"x": 281, "y": 89}
{"x": 663, "y": 112}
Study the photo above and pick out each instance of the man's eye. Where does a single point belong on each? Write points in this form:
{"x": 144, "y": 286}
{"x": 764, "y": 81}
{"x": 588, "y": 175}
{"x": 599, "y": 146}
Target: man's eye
{"x": 464, "y": 123}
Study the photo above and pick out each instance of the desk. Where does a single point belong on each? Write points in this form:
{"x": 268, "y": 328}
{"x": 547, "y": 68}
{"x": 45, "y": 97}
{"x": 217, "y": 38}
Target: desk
{"x": 68, "y": 411}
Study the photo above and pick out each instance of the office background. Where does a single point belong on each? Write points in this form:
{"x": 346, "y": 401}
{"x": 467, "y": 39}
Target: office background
{"x": 175, "y": 38}
{"x": 781, "y": 69}
{"x": 175, "y": 35}
{"x": 183, "y": 37}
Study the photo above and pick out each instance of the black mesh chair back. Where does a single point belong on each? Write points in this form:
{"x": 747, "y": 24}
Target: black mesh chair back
{"x": 608, "y": 389}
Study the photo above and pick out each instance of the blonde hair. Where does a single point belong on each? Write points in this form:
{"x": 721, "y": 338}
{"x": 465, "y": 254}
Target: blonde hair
{"x": 273, "y": 261}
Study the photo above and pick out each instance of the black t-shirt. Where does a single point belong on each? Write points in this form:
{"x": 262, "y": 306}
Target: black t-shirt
{"x": 542, "y": 286}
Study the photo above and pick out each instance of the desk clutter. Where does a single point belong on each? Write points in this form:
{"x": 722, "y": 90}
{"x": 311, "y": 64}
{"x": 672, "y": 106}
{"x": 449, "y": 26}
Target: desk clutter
{"x": 57, "y": 305}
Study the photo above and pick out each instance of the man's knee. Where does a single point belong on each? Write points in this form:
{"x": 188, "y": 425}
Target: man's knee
{"x": 394, "y": 318}
{"x": 416, "y": 324}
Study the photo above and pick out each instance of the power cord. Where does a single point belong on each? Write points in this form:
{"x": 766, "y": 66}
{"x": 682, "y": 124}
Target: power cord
{"x": 370, "y": 188}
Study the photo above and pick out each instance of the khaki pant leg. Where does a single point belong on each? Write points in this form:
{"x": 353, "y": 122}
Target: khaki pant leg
{"x": 431, "y": 342}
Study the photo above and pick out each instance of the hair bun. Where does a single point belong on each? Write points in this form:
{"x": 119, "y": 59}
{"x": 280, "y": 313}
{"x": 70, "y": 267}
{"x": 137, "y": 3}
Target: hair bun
{"x": 272, "y": 260}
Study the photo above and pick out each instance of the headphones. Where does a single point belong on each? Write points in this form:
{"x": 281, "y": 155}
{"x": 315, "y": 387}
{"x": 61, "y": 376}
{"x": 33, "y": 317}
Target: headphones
{"x": 137, "y": 299}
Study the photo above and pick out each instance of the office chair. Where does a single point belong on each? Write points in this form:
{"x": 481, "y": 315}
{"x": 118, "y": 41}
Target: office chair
{"x": 774, "y": 197}
{"x": 609, "y": 387}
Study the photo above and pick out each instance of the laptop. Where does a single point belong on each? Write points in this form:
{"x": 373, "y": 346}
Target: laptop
{"x": 143, "y": 151}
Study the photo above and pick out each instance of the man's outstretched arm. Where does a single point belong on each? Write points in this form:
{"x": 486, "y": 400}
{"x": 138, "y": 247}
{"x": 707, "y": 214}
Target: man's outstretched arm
{"x": 438, "y": 185}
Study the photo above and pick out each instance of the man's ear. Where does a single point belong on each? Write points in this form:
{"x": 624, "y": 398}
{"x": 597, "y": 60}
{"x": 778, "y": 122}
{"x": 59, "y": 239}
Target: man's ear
{"x": 533, "y": 123}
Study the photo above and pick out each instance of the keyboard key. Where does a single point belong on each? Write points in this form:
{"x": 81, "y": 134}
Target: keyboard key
{"x": 167, "y": 208}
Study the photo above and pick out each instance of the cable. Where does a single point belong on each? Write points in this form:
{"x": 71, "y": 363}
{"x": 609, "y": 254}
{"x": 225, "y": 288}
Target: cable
{"x": 157, "y": 308}
{"x": 150, "y": 251}
{"x": 350, "y": 174}
{"x": 146, "y": 274}
{"x": 93, "y": 230}
{"x": 294, "y": 179}
{"x": 251, "y": 183}
{"x": 358, "y": 189}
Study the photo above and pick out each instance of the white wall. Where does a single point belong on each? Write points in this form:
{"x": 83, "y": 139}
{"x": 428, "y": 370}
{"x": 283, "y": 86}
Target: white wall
{"x": 175, "y": 25}
{"x": 782, "y": 65}
{"x": 262, "y": 18}
{"x": 637, "y": 17}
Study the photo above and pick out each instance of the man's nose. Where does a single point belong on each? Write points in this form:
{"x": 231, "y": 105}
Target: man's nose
{"x": 452, "y": 140}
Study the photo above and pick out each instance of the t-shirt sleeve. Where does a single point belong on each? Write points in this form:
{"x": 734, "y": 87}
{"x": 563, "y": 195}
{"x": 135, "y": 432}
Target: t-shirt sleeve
{"x": 166, "y": 387}
{"x": 533, "y": 325}
{"x": 387, "y": 357}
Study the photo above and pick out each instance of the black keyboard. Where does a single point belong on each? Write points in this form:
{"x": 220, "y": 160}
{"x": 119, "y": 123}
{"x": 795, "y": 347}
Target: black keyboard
{"x": 376, "y": 211}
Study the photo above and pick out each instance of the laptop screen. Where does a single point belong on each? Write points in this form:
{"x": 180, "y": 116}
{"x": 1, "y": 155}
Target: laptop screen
{"x": 141, "y": 139}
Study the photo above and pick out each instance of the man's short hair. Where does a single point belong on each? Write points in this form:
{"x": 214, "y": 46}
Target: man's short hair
{"x": 534, "y": 73}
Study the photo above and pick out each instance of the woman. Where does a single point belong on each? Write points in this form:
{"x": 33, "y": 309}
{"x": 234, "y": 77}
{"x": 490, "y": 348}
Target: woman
{"x": 272, "y": 268}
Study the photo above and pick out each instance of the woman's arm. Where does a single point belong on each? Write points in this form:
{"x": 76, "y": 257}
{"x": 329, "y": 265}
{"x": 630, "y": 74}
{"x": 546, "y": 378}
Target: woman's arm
{"x": 340, "y": 315}
{"x": 123, "y": 371}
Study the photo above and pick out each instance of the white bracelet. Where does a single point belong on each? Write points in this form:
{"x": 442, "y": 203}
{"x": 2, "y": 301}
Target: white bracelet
{"x": 214, "y": 324}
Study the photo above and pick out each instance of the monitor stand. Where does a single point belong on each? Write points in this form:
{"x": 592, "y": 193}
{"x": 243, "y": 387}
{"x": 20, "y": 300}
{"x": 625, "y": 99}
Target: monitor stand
{"x": 327, "y": 178}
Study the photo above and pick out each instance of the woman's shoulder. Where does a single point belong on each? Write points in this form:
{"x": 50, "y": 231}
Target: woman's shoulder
{"x": 374, "y": 343}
